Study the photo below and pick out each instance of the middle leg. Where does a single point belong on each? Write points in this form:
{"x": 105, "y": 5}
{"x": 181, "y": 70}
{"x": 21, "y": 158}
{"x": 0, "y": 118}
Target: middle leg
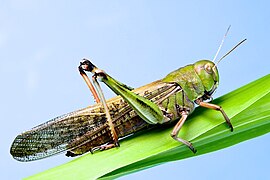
{"x": 176, "y": 129}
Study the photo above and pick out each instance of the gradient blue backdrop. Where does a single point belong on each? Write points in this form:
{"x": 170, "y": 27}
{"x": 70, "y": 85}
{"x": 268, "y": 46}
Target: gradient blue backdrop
{"x": 137, "y": 42}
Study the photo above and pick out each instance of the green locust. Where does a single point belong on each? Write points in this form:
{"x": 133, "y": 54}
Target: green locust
{"x": 99, "y": 127}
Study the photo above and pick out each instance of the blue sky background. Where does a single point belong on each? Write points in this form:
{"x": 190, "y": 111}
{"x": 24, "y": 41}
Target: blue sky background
{"x": 42, "y": 42}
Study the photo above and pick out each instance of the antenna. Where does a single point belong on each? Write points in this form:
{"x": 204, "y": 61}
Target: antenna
{"x": 230, "y": 51}
{"x": 220, "y": 46}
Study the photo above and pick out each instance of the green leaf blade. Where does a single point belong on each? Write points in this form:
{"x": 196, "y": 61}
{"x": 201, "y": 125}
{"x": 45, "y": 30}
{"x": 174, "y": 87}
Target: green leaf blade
{"x": 248, "y": 107}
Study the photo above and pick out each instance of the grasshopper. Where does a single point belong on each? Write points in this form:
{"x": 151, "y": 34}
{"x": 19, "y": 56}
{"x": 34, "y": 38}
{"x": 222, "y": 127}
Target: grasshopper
{"x": 99, "y": 127}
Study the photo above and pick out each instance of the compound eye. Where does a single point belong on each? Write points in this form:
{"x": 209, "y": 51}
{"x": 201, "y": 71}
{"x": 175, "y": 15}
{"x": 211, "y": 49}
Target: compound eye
{"x": 208, "y": 68}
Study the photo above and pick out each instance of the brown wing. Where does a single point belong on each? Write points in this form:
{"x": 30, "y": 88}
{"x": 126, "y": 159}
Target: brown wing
{"x": 74, "y": 129}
